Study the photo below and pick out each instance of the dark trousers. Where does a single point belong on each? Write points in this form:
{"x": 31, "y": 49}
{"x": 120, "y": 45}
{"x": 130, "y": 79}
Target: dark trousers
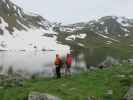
{"x": 58, "y": 71}
{"x": 67, "y": 70}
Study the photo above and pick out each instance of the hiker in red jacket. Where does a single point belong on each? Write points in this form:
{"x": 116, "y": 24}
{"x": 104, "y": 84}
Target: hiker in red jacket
{"x": 68, "y": 64}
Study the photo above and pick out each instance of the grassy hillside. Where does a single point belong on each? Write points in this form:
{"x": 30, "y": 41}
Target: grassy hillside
{"x": 78, "y": 87}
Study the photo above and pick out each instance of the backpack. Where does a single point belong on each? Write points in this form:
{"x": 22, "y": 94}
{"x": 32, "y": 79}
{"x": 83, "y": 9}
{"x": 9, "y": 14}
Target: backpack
{"x": 69, "y": 60}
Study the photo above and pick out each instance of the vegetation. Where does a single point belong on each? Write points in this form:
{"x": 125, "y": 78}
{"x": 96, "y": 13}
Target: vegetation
{"x": 78, "y": 87}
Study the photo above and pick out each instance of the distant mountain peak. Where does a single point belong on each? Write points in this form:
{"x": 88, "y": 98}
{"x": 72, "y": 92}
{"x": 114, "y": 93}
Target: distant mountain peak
{"x": 107, "y": 30}
{"x": 22, "y": 30}
{"x": 19, "y": 19}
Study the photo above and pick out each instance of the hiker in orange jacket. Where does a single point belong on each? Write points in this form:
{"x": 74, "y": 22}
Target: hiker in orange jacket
{"x": 58, "y": 65}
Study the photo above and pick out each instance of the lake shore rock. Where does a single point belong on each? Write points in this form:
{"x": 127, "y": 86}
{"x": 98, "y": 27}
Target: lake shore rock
{"x": 129, "y": 94}
{"x": 41, "y": 96}
{"x": 11, "y": 81}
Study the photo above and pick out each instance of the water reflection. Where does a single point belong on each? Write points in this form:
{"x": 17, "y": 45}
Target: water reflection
{"x": 42, "y": 63}
{"x": 28, "y": 63}
{"x": 107, "y": 55}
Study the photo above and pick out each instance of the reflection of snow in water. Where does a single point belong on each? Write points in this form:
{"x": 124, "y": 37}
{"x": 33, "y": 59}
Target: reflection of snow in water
{"x": 40, "y": 63}
{"x": 79, "y": 64}
{"x": 29, "y": 62}
{"x": 109, "y": 61}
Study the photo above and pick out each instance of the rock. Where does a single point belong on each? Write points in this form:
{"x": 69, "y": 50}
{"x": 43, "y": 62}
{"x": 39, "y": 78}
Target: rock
{"x": 92, "y": 68}
{"x": 1, "y": 87}
{"x": 108, "y": 95}
{"x": 11, "y": 81}
{"x": 91, "y": 98}
{"x": 130, "y": 61}
{"x": 41, "y": 96}
{"x": 110, "y": 92}
{"x": 71, "y": 89}
{"x": 130, "y": 76}
{"x": 129, "y": 94}
{"x": 109, "y": 61}
{"x": 121, "y": 76}
{"x": 63, "y": 85}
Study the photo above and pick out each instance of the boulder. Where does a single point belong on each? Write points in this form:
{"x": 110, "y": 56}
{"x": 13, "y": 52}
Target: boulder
{"x": 108, "y": 95}
{"x": 91, "y": 98}
{"x": 109, "y": 61}
{"x": 121, "y": 76}
{"x": 11, "y": 81}
{"x": 41, "y": 96}
{"x": 129, "y": 94}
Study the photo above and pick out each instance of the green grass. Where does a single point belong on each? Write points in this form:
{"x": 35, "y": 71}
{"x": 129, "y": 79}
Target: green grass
{"x": 77, "y": 87}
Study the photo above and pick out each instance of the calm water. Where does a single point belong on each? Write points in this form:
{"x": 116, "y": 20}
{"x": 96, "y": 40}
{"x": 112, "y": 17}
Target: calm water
{"x": 42, "y": 63}
{"x": 39, "y": 62}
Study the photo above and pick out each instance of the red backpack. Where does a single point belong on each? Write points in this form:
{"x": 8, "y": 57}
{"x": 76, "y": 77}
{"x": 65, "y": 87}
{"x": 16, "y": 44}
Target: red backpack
{"x": 69, "y": 60}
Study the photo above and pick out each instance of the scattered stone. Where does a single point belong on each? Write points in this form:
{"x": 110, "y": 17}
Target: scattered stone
{"x": 129, "y": 94}
{"x": 121, "y": 76}
{"x": 130, "y": 61}
{"x": 63, "y": 85}
{"x": 92, "y": 68}
{"x": 41, "y": 96}
{"x": 71, "y": 89}
{"x": 110, "y": 61}
{"x": 130, "y": 76}
{"x": 11, "y": 81}
{"x": 108, "y": 95}
{"x": 1, "y": 87}
{"x": 91, "y": 98}
{"x": 110, "y": 92}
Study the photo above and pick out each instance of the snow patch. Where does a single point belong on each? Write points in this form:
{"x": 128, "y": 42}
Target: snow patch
{"x": 73, "y": 37}
{"x": 131, "y": 45}
{"x": 63, "y": 29}
{"x": 122, "y": 21}
{"x": 126, "y": 35}
{"x": 32, "y": 40}
{"x": 8, "y": 6}
{"x": 107, "y": 37}
{"x": 125, "y": 29}
{"x": 82, "y": 36}
{"x": 102, "y": 23}
{"x": 3, "y": 25}
{"x": 70, "y": 29}
{"x": 22, "y": 24}
{"x": 106, "y": 30}
{"x": 29, "y": 13}
{"x": 119, "y": 35}
{"x": 20, "y": 14}
{"x": 109, "y": 42}
{"x": 49, "y": 31}
{"x": 80, "y": 44}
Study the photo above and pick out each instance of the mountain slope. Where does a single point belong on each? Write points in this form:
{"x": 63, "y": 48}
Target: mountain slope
{"x": 17, "y": 18}
{"x": 108, "y": 30}
{"x": 107, "y": 40}
{"x": 22, "y": 30}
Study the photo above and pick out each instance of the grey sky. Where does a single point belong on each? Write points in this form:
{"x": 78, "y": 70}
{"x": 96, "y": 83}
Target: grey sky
{"x": 70, "y": 11}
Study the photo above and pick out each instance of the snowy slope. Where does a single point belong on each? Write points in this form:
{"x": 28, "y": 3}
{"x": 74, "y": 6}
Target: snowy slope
{"x": 22, "y": 30}
{"x": 107, "y": 31}
{"x": 32, "y": 39}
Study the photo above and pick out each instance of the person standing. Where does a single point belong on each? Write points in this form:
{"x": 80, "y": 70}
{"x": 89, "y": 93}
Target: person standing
{"x": 68, "y": 64}
{"x": 58, "y": 64}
